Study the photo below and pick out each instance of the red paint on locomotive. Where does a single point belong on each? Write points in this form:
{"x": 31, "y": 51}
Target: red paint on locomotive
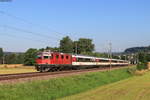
{"x": 54, "y": 58}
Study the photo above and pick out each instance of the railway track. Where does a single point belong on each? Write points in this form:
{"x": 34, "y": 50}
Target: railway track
{"x": 37, "y": 74}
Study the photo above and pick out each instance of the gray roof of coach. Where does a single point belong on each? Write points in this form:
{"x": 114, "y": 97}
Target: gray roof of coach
{"x": 90, "y": 57}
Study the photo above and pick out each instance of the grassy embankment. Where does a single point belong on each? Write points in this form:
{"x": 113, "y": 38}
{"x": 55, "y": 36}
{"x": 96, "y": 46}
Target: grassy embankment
{"x": 15, "y": 68}
{"x": 61, "y": 87}
{"x": 134, "y": 88}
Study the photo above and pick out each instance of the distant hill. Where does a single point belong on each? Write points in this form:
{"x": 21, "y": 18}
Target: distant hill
{"x": 137, "y": 49}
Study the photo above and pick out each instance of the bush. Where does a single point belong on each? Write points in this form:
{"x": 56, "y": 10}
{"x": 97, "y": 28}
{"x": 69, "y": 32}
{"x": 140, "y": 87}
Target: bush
{"x": 132, "y": 70}
{"x": 30, "y": 56}
{"x": 142, "y": 66}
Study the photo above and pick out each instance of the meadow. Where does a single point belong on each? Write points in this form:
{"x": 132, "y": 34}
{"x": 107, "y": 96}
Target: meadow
{"x": 61, "y": 87}
{"x": 134, "y": 88}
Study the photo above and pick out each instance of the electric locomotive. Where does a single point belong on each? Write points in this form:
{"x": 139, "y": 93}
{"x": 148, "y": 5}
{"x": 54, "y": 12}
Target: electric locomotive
{"x": 56, "y": 61}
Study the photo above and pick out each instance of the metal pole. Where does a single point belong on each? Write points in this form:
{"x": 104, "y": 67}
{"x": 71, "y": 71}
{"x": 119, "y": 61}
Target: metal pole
{"x": 76, "y": 48}
{"x": 110, "y": 54}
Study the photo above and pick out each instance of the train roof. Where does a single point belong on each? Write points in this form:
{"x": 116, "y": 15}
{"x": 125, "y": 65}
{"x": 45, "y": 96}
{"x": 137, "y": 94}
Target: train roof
{"x": 91, "y": 57}
{"x": 47, "y": 52}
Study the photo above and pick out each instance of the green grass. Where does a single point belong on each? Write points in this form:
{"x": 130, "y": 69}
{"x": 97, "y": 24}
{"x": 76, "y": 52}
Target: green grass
{"x": 60, "y": 87}
{"x": 134, "y": 88}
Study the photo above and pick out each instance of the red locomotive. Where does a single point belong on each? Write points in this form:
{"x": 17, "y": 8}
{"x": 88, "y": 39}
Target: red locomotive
{"x": 53, "y": 61}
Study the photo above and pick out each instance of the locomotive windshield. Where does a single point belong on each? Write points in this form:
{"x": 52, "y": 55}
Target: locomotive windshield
{"x": 39, "y": 57}
{"x": 44, "y": 55}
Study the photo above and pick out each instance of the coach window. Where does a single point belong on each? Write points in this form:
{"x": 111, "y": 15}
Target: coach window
{"x": 104, "y": 60}
{"x": 57, "y": 56}
{"x": 62, "y": 56}
{"x": 120, "y": 61}
{"x": 84, "y": 60}
{"x": 114, "y": 61}
{"x": 80, "y": 60}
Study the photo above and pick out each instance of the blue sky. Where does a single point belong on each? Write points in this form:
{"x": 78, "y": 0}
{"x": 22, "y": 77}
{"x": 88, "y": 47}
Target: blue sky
{"x": 124, "y": 23}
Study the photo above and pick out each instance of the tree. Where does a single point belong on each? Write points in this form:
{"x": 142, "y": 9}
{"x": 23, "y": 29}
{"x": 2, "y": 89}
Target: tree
{"x": 115, "y": 57}
{"x": 142, "y": 56}
{"x": 1, "y": 55}
{"x": 66, "y": 45}
{"x": 54, "y": 49}
{"x": 85, "y": 45}
{"x": 19, "y": 58}
{"x": 75, "y": 47}
{"x": 30, "y": 56}
{"x": 14, "y": 58}
{"x": 11, "y": 58}
{"x": 123, "y": 57}
{"x": 148, "y": 57}
{"x": 41, "y": 49}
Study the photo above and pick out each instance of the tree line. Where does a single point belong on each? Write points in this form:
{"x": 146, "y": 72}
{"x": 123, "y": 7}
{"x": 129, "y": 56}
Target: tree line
{"x": 83, "y": 46}
{"x": 11, "y": 58}
{"x": 143, "y": 59}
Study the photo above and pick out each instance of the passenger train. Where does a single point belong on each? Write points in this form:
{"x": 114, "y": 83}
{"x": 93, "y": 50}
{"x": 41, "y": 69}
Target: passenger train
{"x": 56, "y": 61}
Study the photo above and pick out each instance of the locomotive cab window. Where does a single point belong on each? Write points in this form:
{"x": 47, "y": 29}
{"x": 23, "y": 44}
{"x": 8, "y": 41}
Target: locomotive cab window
{"x": 45, "y": 57}
{"x": 39, "y": 57}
